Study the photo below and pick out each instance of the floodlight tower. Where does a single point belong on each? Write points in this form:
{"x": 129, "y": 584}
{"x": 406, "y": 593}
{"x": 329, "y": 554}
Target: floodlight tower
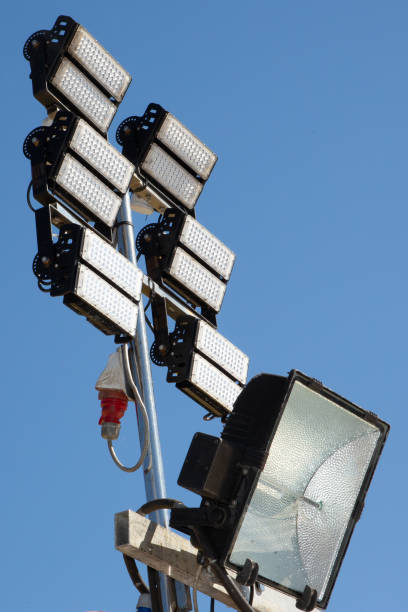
{"x": 82, "y": 183}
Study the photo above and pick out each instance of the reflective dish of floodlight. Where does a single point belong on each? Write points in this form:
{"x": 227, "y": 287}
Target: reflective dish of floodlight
{"x": 70, "y": 69}
{"x": 205, "y": 365}
{"x": 172, "y": 163}
{"x": 289, "y": 477}
{"x": 71, "y": 160}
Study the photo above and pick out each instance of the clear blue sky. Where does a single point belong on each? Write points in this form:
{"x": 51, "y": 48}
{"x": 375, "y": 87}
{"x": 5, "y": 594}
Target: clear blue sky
{"x": 305, "y": 104}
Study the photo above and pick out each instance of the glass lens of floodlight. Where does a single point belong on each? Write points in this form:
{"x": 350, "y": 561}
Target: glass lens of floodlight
{"x": 109, "y": 262}
{"x": 188, "y": 272}
{"x": 301, "y": 508}
{"x": 94, "y": 149}
{"x": 173, "y": 177}
{"x": 207, "y": 247}
{"x": 107, "y": 300}
{"x": 99, "y": 63}
{"x": 89, "y": 190}
{"x": 186, "y": 146}
{"x": 213, "y": 382}
{"x": 84, "y": 95}
{"x": 222, "y": 351}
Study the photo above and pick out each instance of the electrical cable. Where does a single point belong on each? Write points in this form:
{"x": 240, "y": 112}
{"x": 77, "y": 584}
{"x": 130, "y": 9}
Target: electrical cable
{"x": 28, "y": 197}
{"x": 196, "y": 579}
{"x": 212, "y": 604}
{"x": 231, "y": 588}
{"x": 149, "y": 324}
{"x": 135, "y": 577}
{"x": 221, "y": 573}
{"x": 137, "y": 396}
{"x": 166, "y": 503}
{"x": 147, "y": 508}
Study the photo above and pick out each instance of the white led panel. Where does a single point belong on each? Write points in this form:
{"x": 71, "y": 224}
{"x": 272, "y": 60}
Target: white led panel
{"x": 207, "y": 247}
{"x": 213, "y": 382}
{"x": 106, "y": 299}
{"x": 99, "y": 63}
{"x": 186, "y": 146}
{"x": 188, "y": 272}
{"x": 112, "y": 264}
{"x": 89, "y": 190}
{"x": 84, "y": 95}
{"x": 222, "y": 351}
{"x": 173, "y": 177}
{"x": 102, "y": 156}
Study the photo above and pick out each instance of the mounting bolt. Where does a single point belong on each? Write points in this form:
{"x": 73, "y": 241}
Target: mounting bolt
{"x": 35, "y": 43}
{"x": 35, "y": 141}
{"x": 126, "y": 130}
{"x": 46, "y": 261}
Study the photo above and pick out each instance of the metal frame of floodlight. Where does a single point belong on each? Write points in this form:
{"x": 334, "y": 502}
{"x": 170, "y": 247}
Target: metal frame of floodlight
{"x": 136, "y": 135}
{"x": 57, "y": 264}
{"x": 44, "y": 50}
{"x": 229, "y": 467}
{"x": 46, "y": 148}
{"x": 179, "y": 360}
{"x": 158, "y": 243}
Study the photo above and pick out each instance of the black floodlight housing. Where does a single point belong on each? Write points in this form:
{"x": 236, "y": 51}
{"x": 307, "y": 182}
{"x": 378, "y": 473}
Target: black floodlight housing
{"x": 172, "y": 164}
{"x": 183, "y": 254}
{"x": 71, "y": 70}
{"x": 285, "y": 484}
{"x": 94, "y": 278}
{"x": 205, "y": 365}
{"x": 70, "y": 160}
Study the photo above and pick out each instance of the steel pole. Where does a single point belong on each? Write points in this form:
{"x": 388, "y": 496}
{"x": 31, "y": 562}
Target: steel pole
{"x": 153, "y": 465}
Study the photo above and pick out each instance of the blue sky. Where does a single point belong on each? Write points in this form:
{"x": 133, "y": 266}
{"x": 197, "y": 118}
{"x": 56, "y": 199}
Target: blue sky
{"x": 305, "y": 105}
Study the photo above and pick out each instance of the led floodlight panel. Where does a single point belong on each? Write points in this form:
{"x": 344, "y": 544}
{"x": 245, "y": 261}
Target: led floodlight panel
{"x": 174, "y": 162}
{"x": 76, "y": 242}
{"x": 177, "y": 228}
{"x": 192, "y": 261}
{"x": 96, "y": 280}
{"x": 205, "y": 365}
{"x": 71, "y": 70}
{"x": 71, "y": 160}
{"x": 103, "y": 305}
{"x": 295, "y": 461}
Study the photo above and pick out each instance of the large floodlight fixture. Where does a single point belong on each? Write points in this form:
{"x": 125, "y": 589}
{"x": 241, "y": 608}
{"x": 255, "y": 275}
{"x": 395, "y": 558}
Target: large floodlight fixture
{"x": 71, "y": 70}
{"x": 95, "y": 279}
{"x": 205, "y": 365}
{"x": 71, "y": 160}
{"x": 172, "y": 163}
{"x": 188, "y": 258}
{"x": 285, "y": 484}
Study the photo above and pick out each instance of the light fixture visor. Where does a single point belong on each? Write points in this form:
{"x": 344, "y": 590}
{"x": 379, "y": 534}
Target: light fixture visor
{"x": 88, "y": 190}
{"x": 207, "y": 247}
{"x": 99, "y": 63}
{"x": 102, "y": 156}
{"x": 84, "y": 95}
{"x": 172, "y": 176}
{"x": 186, "y": 146}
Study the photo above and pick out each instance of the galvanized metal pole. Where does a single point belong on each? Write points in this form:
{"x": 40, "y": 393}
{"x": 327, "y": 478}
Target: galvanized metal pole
{"x": 153, "y": 465}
